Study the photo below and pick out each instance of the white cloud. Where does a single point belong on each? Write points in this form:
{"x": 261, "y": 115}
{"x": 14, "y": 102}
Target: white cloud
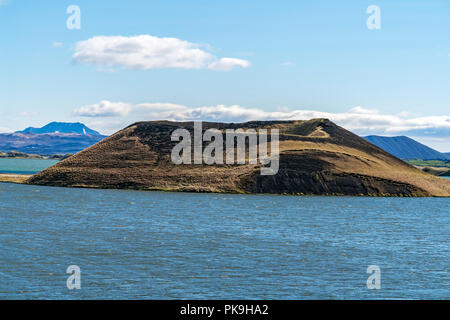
{"x": 362, "y": 110}
{"x": 145, "y": 52}
{"x": 104, "y": 109}
{"x": 25, "y": 114}
{"x": 160, "y": 106}
{"x": 120, "y": 109}
{"x": 57, "y": 44}
{"x": 226, "y": 64}
{"x": 5, "y": 129}
{"x": 359, "y": 120}
{"x": 287, "y": 64}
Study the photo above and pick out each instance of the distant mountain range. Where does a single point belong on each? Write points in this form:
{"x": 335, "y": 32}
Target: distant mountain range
{"x": 61, "y": 127}
{"x": 406, "y": 148}
{"x": 53, "y": 138}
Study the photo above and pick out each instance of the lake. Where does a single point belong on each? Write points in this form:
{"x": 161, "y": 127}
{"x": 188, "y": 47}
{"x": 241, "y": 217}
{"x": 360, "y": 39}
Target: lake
{"x": 24, "y": 166}
{"x": 155, "y": 245}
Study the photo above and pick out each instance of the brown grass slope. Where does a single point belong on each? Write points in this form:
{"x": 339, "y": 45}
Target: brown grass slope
{"x": 317, "y": 157}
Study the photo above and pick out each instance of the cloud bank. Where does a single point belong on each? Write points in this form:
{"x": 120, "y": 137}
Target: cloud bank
{"x": 146, "y": 52}
{"x": 359, "y": 120}
{"x": 104, "y": 109}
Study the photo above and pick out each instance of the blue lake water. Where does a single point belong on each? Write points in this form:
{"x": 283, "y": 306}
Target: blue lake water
{"x": 155, "y": 245}
{"x": 24, "y": 166}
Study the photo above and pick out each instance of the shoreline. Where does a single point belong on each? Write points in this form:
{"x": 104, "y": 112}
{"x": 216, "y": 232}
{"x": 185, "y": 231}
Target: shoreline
{"x": 21, "y": 179}
{"x": 14, "y": 177}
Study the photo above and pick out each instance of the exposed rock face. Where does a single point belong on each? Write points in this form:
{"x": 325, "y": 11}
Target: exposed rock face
{"x": 317, "y": 157}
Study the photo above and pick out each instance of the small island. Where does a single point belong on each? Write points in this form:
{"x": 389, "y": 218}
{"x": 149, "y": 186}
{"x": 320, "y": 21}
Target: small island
{"x": 317, "y": 157}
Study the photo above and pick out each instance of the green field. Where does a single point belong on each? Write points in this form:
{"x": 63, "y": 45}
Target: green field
{"x": 429, "y": 163}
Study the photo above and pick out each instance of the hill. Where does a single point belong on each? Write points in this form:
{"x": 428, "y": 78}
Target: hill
{"x": 406, "y": 148}
{"x": 62, "y": 127}
{"x": 317, "y": 157}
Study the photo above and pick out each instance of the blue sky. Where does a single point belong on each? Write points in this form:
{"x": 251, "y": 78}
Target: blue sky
{"x": 289, "y": 59}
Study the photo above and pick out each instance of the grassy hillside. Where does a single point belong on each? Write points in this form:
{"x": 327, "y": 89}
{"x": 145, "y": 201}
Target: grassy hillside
{"x": 317, "y": 157}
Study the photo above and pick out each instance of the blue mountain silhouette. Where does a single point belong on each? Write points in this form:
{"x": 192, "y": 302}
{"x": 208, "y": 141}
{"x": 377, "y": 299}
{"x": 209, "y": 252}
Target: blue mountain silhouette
{"x": 406, "y": 148}
{"x": 53, "y": 138}
{"x": 62, "y": 127}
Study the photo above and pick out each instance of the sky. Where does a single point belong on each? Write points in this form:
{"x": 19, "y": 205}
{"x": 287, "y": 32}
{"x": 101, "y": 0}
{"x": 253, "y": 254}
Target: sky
{"x": 231, "y": 61}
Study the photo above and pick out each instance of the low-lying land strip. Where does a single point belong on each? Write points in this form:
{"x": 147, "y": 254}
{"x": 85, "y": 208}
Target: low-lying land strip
{"x": 14, "y": 178}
